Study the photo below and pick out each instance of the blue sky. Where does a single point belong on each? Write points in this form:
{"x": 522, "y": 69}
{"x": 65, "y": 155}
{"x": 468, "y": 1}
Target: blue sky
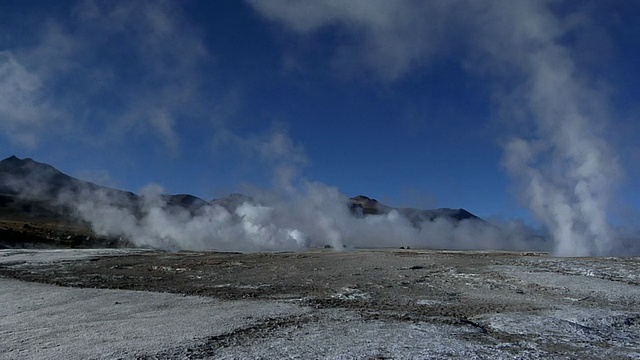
{"x": 415, "y": 104}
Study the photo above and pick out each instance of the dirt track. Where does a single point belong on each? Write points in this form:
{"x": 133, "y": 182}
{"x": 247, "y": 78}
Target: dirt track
{"x": 525, "y": 303}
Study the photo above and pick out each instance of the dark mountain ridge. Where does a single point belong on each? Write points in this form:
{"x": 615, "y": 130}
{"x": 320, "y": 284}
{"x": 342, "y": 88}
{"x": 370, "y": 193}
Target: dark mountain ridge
{"x": 31, "y": 191}
{"x": 362, "y": 205}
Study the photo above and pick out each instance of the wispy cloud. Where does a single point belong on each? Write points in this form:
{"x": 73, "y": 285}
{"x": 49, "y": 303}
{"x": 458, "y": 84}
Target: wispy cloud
{"x": 388, "y": 38}
{"x": 104, "y": 70}
{"x": 21, "y": 104}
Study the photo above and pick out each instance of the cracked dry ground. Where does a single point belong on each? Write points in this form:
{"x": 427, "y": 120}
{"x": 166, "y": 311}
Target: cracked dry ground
{"x": 463, "y": 289}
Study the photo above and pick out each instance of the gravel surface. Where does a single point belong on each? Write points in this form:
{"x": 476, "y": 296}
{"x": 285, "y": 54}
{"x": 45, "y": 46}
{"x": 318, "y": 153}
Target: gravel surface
{"x": 376, "y": 304}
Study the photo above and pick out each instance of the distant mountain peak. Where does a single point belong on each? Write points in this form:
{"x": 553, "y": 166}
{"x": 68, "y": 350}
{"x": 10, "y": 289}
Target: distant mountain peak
{"x": 15, "y": 159}
{"x": 364, "y": 200}
{"x": 14, "y": 162}
{"x": 362, "y": 197}
{"x": 366, "y": 205}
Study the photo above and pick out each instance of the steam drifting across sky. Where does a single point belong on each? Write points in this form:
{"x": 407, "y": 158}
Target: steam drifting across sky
{"x": 380, "y": 97}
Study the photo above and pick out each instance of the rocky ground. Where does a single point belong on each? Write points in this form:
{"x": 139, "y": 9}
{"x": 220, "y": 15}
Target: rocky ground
{"x": 376, "y": 304}
{"x": 38, "y": 234}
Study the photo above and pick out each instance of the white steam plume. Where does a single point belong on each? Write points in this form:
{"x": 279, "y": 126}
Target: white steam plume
{"x": 297, "y": 215}
{"x": 318, "y": 216}
{"x": 558, "y": 155}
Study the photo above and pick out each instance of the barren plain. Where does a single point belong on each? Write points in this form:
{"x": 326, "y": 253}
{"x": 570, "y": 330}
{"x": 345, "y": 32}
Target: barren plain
{"x": 362, "y": 304}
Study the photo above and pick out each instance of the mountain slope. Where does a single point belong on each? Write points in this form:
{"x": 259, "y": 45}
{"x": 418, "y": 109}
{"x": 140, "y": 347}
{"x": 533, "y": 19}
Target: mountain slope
{"x": 34, "y": 193}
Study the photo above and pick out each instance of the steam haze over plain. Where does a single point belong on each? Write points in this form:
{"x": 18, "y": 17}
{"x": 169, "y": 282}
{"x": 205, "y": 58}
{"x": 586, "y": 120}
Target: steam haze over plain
{"x": 510, "y": 109}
